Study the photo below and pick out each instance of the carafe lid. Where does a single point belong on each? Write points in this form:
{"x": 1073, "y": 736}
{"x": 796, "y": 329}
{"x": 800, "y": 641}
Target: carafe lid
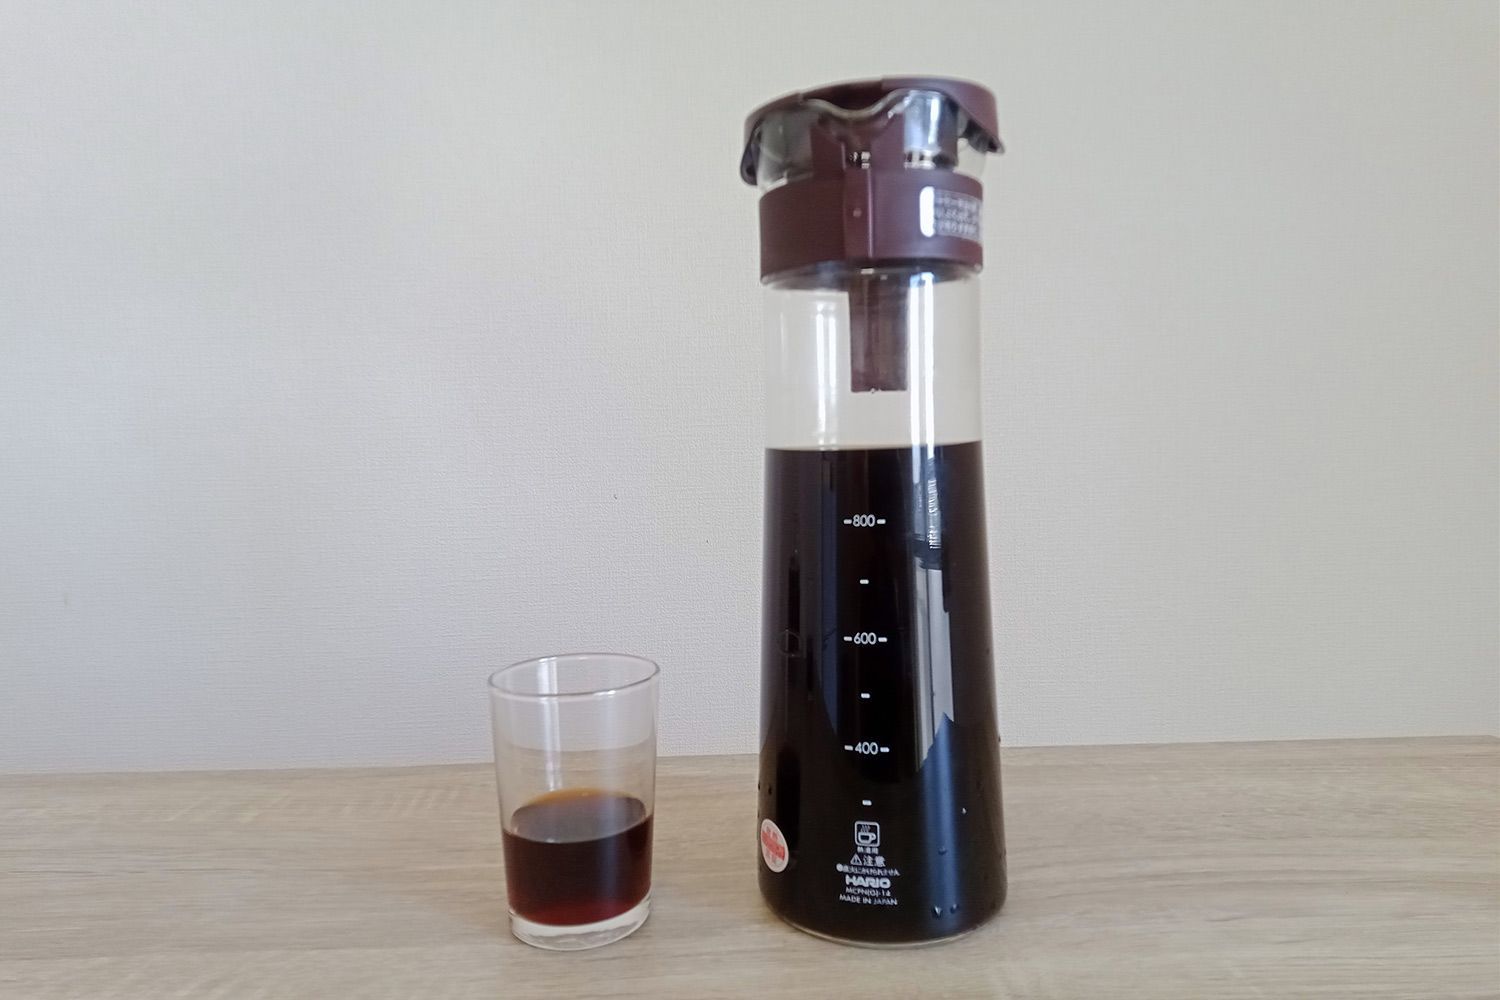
{"x": 871, "y": 172}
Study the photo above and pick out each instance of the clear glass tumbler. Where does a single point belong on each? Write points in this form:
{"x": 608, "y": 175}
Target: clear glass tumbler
{"x": 575, "y": 765}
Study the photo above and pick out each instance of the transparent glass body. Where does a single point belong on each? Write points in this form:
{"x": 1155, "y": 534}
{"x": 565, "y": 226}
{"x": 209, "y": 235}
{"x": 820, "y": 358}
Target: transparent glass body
{"x": 870, "y": 357}
{"x": 575, "y": 768}
{"x": 880, "y": 813}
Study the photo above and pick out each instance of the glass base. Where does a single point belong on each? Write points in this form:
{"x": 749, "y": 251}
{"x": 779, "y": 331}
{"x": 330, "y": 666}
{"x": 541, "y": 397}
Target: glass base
{"x": 881, "y": 945}
{"x": 579, "y": 937}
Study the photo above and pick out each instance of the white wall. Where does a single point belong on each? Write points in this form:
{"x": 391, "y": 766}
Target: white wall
{"x": 348, "y": 351}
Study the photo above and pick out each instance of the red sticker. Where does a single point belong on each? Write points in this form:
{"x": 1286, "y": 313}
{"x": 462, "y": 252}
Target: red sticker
{"x": 773, "y": 849}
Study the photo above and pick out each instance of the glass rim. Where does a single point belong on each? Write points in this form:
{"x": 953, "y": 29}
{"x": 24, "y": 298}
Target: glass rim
{"x": 497, "y": 687}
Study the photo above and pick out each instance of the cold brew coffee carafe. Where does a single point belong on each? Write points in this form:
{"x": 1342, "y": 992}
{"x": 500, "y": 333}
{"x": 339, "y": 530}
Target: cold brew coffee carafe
{"x": 880, "y": 817}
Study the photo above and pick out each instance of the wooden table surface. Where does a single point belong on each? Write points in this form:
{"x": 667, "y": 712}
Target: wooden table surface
{"x": 1345, "y": 869}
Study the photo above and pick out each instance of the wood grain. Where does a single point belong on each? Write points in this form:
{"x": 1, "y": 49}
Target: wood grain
{"x": 1349, "y": 869}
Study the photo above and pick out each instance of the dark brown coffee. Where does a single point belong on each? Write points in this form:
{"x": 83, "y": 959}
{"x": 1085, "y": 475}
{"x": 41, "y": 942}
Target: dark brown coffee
{"x": 880, "y": 761}
{"x": 577, "y": 856}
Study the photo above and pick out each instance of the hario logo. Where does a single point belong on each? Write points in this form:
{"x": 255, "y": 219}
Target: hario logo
{"x": 866, "y": 882}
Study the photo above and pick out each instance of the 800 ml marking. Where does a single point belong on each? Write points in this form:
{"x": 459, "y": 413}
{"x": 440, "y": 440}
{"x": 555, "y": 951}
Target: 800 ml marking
{"x": 864, "y": 521}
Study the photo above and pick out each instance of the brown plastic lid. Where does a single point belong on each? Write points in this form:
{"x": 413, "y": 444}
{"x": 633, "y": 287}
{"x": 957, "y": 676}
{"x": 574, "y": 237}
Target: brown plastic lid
{"x": 866, "y": 172}
{"x": 974, "y": 99}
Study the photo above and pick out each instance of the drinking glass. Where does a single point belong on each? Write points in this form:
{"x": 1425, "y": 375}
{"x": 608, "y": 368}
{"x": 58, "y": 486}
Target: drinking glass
{"x": 575, "y": 765}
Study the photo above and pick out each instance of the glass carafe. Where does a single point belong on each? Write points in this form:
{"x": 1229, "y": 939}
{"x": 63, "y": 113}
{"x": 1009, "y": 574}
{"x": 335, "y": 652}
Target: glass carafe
{"x": 880, "y": 810}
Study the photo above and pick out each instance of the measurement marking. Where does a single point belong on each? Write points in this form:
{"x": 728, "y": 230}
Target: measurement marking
{"x": 848, "y": 746}
{"x": 881, "y": 639}
{"x": 848, "y": 520}
{"x": 864, "y": 582}
{"x": 885, "y": 749}
{"x": 865, "y": 695}
{"x": 848, "y": 638}
{"x": 865, "y": 802}
{"x": 880, "y": 520}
